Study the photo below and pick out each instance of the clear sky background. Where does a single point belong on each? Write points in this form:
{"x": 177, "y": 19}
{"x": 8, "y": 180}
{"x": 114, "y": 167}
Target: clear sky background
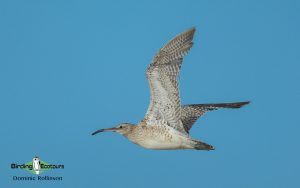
{"x": 68, "y": 68}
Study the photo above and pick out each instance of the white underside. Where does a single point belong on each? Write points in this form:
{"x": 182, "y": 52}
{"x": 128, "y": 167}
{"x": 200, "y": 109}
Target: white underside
{"x": 161, "y": 145}
{"x": 177, "y": 142}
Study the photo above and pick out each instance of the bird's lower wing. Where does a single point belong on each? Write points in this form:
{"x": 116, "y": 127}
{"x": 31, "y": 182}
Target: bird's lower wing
{"x": 190, "y": 113}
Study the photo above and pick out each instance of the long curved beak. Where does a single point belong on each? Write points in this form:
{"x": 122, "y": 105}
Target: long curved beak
{"x": 105, "y": 130}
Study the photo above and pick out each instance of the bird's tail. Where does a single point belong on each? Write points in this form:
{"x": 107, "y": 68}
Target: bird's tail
{"x": 208, "y": 107}
{"x": 198, "y": 145}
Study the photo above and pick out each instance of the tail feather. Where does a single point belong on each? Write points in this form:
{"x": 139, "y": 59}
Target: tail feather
{"x": 203, "y": 146}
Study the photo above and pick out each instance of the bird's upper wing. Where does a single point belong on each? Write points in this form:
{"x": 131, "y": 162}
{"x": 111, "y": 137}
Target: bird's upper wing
{"x": 162, "y": 74}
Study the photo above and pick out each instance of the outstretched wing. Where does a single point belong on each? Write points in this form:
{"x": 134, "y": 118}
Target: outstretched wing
{"x": 190, "y": 113}
{"x": 162, "y": 75}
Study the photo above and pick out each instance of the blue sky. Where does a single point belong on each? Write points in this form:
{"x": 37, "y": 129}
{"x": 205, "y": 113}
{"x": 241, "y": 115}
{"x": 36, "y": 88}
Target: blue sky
{"x": 68, "y": 68}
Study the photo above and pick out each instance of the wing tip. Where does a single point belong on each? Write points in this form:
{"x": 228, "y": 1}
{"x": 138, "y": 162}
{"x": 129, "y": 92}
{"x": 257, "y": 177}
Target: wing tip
{"x": 189, "y": 32}
{"x": 192, "y": 29}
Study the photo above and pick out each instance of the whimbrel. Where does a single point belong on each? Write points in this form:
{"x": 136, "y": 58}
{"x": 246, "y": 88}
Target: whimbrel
{"x": 167, "y": 123}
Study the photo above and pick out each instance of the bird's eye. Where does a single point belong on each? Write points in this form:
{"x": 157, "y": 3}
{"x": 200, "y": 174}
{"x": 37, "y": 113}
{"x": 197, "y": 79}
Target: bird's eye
{"x": 121, "y": 127}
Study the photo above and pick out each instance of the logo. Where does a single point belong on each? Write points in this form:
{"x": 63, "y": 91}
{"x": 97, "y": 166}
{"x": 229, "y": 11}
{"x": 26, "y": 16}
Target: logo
{"x": 37, "y": 167}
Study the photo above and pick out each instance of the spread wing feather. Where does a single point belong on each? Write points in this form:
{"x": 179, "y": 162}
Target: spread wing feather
{"x": 190, "y": 113}
{"x": 162, "y": 74}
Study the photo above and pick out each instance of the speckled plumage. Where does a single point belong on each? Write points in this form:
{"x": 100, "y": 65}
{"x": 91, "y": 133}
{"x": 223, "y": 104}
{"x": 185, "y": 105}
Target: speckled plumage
{"x": 167, "y": 123}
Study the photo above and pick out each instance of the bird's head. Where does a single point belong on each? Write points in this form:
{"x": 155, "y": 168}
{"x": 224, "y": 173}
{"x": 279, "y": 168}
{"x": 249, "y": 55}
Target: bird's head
{"x": 36, "y": 158}
{"x": 123, "y": 129}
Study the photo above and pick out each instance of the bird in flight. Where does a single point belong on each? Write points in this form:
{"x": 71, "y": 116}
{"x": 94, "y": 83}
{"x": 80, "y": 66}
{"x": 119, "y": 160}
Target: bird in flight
{"x": 167, "y": 122}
